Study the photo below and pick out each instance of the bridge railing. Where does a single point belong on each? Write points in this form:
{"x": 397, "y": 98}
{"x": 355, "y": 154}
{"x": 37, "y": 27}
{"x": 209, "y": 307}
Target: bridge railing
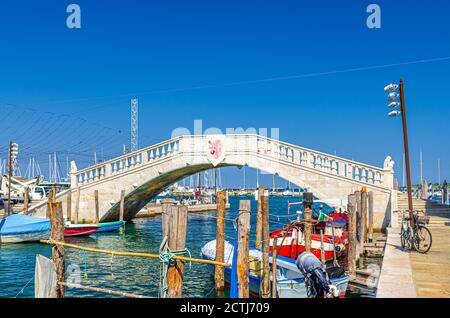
{"x": 278, "y": 151}
{"x": 323, "y": 162}
{"x": 126, "y": 162}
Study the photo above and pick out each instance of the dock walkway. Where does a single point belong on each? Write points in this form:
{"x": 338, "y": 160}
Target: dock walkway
{"x": 410, "y": 274}
{"x": 396, "y": 278}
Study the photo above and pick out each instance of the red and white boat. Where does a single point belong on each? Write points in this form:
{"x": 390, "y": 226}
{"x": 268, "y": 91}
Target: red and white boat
{"x": 80, "y": 229}
{"x": 291, "y": 239}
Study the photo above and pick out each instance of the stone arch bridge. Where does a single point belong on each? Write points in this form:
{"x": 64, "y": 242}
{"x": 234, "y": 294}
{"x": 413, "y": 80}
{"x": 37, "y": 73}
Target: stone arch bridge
{"x": 145, "y": 173}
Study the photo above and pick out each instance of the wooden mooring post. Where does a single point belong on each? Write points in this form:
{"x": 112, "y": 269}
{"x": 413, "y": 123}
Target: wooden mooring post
{"x": 259, "y": 218}
{"x": 265, "y": 246}
{"x": 97, "y": 208}
{"x": 358, "y": 224}
{"x": 243, "y": 249}
{"x": 371, "y": 198}
{"x": 322, "y": 248}
{"x": 220, "y": 241}
{"x": 54, "y": 210}
{"x": 363, "y": 225}
{"x": 69, "y": 206}
{"x": 177, "y": 242}
{"x": 26, "y": 200}
{"x": 351, "y": 255}
{"x": 308, "y": 228}
{"x": 274, "y": 267}
{"x": 122, "y": 209}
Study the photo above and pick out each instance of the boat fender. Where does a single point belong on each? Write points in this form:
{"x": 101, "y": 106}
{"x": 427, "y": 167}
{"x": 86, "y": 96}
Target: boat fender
{"x": 334, "y": 292}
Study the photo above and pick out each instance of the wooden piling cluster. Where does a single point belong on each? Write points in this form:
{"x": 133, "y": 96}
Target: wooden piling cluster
{"x": 360, "y": 227}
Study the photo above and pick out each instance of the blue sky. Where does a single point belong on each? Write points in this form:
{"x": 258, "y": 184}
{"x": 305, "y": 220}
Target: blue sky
{"x": 68, "y": 90}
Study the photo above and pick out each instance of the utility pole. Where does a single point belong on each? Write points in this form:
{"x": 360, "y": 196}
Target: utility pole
{"x": 403, "y": 171}
{"x": 405, "y": 142}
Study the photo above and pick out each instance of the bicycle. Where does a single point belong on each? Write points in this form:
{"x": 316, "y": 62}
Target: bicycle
{"x": 418, "y": 234}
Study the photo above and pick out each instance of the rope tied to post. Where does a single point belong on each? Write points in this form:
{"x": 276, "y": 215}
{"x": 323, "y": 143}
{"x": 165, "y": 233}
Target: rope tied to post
{"x": 167, "y": 259}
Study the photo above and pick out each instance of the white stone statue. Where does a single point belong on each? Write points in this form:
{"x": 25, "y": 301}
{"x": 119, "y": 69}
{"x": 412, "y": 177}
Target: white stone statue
{"x": 389, "y": 164}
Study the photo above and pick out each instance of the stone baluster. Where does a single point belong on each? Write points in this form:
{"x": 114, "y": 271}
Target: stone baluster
{"x": 349, "y": 171}
{"x": 157, "y": 154}
{"x": 341, "y": 168}
{"x": 152, "y": 155}
{"x": 144, "y": 158}
{"x": 363, "y": 175}
{"x": 163, "y": 151}
{"x": 370, "y": 178}
{"x": 296, "y": 156}
{"x": 169, "y": 149}
{"x": 334, "y": 167}
{"x": 91, "y": 177}
{"x": 132, "y": 162}
{"x": 326, "y": 164}
{"x": 357, "y": 176}
{"x": 319, "y": 162}
{"x": 377, "y": 178}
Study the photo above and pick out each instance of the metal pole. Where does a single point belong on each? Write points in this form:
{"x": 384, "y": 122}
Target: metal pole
{"x": 439, "y": 171}
{"x": 9, "y": 177}
{"x": 405, "y": 142}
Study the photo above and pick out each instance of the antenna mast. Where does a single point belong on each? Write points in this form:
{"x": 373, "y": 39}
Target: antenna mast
{"x": 134, "y": 124}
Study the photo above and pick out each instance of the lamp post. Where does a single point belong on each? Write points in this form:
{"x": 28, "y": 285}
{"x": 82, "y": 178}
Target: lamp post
{"x": 397, "y": 92}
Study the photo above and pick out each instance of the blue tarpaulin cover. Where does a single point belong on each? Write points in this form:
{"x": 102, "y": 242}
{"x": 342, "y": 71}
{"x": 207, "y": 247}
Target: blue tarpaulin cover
{"x": 234, "y": 290}
{"x": 340, "y": 221}
{"x": 22, "y": 224}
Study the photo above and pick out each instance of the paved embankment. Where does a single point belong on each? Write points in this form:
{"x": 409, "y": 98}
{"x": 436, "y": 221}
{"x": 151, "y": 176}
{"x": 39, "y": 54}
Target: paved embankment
{"x": 431, "y": 271}
{"x": 396, "y": 277}
{"x": 154, "y": 209}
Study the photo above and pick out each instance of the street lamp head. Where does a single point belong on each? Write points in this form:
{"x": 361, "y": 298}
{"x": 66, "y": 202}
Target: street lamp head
{"x": 394, "y": 104}
{"x": 391, "y": 88}
{"x": 392, "y": 96}
{"x": 394, "y": 113}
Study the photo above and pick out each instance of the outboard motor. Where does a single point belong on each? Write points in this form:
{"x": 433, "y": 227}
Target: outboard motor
{"x": 317, "y": 282}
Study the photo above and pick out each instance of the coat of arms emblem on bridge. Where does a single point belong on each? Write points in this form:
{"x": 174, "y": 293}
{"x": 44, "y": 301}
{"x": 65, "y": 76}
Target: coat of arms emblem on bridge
{"x": 216, "y": 149}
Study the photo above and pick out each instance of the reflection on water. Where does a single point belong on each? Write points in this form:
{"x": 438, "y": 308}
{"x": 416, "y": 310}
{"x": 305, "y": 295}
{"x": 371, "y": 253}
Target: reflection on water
{"x": 130, "y": 274}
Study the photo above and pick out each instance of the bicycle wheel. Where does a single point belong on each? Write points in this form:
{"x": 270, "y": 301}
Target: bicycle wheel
{"x": 422, "y": 239}
{"x": 402, "y": 238}
{"x": 405, "y": 238}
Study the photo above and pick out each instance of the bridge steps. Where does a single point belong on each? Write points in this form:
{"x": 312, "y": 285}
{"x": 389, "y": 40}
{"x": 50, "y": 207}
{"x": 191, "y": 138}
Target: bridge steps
{"x": 439, "y": 214}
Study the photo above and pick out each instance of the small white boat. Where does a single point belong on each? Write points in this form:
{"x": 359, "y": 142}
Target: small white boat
{"x": 18, "y": 228}
{"x": 242, "y": 193}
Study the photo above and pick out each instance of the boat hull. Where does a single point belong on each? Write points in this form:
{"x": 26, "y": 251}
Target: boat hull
{"x": 290, "y": 281}
{"x": 110, "y": 226}
{"x": 24, "y": 237}
{"x": 80, "y": 230}
{"x": 292, "y": 288}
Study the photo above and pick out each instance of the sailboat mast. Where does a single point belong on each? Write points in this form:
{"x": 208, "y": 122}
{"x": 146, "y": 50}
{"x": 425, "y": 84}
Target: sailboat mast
{"x": 257, "y": 178}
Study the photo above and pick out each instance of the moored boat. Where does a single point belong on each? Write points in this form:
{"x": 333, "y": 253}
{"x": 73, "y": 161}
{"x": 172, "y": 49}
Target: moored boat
{"x": 110, "y": 226}
{"x": 80, "y": 229}
{"x": 18, "y": 228}
{"x": 291, "y": 282}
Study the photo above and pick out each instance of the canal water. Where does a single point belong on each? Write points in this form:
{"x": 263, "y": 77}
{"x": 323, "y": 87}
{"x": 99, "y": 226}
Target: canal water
{"x": 133, "y": 274}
